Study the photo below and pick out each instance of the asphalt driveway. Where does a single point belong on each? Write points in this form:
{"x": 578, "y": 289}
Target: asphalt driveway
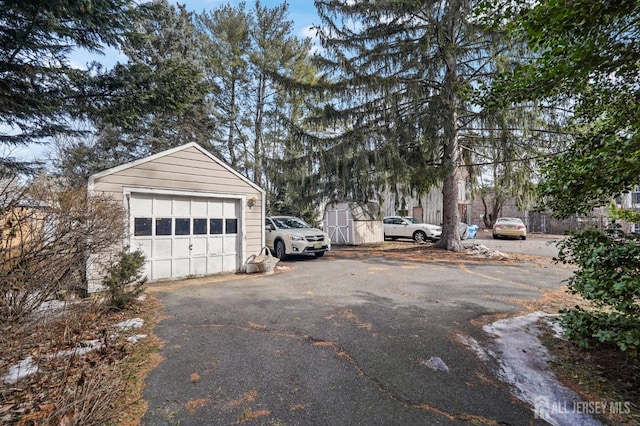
{"x": 348, "y": 339}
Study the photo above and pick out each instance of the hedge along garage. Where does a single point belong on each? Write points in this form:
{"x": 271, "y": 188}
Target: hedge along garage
{"x": 187, "y": 211}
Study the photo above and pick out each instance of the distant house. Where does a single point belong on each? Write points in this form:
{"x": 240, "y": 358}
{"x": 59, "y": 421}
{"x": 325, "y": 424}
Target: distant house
{"x": 428, "y": 207}
{"x": 630, "y": 201}
{"x": 353, "y": 223}
{"x": 20, "y": 225}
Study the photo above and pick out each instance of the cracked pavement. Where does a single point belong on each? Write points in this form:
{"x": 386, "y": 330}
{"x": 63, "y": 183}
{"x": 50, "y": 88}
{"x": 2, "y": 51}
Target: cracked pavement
{"x": 341, "y": 340}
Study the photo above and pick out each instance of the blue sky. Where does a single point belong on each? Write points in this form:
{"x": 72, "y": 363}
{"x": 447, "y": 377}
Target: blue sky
{"x": 301, "y": 12}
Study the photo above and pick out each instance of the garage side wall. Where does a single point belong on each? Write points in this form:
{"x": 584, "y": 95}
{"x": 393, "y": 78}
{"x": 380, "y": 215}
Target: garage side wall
{"x": 191, "y": 173}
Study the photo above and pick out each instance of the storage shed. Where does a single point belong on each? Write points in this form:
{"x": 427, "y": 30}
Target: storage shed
{"x": 353, "y": 223}
{"x": 190, "y": 213}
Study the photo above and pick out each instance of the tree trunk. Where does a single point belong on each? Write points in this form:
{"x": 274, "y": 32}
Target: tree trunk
{"x": 257, "y": 144}
{"x": 496, "y": 207}
{"x": 232, "y": 124}
{"x": 450, "y": 238}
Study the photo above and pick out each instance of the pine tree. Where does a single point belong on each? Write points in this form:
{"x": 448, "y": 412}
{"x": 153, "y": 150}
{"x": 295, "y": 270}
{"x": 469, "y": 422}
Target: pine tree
{"x": 402, "y": 72}
{"x": 154, "y": 101}
{"x": 274, "y": 53}
{"x": 40, "y": 92}
{"x": 226, "y": 43}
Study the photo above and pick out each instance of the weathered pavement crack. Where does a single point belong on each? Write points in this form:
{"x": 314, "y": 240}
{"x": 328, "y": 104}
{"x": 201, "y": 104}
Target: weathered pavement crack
{"x": 342, "y": 353}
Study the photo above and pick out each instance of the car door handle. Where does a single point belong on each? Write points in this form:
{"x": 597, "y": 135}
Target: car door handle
{"x": 190, "y": 246}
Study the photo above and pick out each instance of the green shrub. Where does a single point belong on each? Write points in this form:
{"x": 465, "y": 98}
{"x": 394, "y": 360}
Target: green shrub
{"x": 608, "y": 277}
{"x": 124, "y": 281}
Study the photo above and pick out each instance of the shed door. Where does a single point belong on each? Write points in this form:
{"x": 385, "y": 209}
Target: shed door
{"x": 338, "y": 224}
{"x": 186, "y": 236}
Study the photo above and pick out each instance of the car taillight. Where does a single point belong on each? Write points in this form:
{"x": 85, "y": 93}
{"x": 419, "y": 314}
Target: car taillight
{"x": 520, "y": 226}
{"x": 499, "y": 226}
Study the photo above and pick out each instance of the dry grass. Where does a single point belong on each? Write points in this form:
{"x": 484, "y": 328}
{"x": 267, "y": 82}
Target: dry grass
{"x": 103, "y": 386}
{"x": 599, "y": 375}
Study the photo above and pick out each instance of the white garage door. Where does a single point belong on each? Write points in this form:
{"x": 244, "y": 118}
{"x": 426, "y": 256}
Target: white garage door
{"x": 186, "y": 236}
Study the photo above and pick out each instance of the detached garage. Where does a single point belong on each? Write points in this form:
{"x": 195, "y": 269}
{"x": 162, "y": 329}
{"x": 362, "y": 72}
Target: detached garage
{"x": 187, "y": 211}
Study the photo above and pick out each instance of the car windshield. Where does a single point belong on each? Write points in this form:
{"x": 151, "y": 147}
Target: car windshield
{"x": 290, "y": 223}
{"x": 509, "y": 220}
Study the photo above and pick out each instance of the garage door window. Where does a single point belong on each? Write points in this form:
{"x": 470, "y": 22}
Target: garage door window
{"x": 142, "y": 226}
{"x": 163, "y": 226}
{"x": 215, "y": 226}
{"x": 231, "y": 226}
{"x": 183, "y": 226}
{"x": 199, "y": 226}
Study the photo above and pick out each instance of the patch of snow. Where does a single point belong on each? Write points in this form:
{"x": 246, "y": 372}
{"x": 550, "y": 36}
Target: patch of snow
{"x": 136, "y": 338}
{"x": 554, "y": 324}
{"x": 437, "y": 364}
{"x": 81, "y": 348}
{"x": 523, "y": 360}
{"x": 475, "y": 347}
{"x": 480, "y": 250}
{"x": 27, "y": 367}
{"x": 129, "y": 324}
{"x": 52, "y": 305}
{"x": 24, "y": 368}
{"x": 141, "y": 298}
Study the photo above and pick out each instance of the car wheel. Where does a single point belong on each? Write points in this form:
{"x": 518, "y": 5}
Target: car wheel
{"x": 419, "y": 236}
{"x": 280, "y": 250}
{"x": 524, "y": 238}
{"x": 495, "y": 237}
{"x": 319, "y": 253}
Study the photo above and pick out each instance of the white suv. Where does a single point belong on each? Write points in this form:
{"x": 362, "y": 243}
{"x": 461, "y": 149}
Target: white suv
{"x": 287, "y": 235}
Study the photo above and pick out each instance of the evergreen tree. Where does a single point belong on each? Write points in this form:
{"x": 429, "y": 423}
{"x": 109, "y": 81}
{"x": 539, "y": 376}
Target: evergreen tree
{"x": 167, "y": 51}
{"x": 403, "y": 72}
{"x": 226, "y": 43}
{"x": 252, "y": 57}
{"x": 505, "y": 156}
{"x": 289, "y": 158}
{"x": 274, "y": 52}
{"x": 157, "y": 100}
{"x": 40, "y": 92}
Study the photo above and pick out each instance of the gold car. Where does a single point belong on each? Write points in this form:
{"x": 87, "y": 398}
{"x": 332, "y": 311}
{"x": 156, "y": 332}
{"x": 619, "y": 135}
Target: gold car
{"x": 511, "y": 227}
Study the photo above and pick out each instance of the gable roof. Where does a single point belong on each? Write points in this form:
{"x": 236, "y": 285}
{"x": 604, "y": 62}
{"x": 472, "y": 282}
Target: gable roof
{"x": 153, "y": 157}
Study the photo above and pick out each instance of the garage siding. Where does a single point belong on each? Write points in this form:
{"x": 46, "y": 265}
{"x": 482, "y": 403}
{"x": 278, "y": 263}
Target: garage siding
{"x": 189, "y": 170}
